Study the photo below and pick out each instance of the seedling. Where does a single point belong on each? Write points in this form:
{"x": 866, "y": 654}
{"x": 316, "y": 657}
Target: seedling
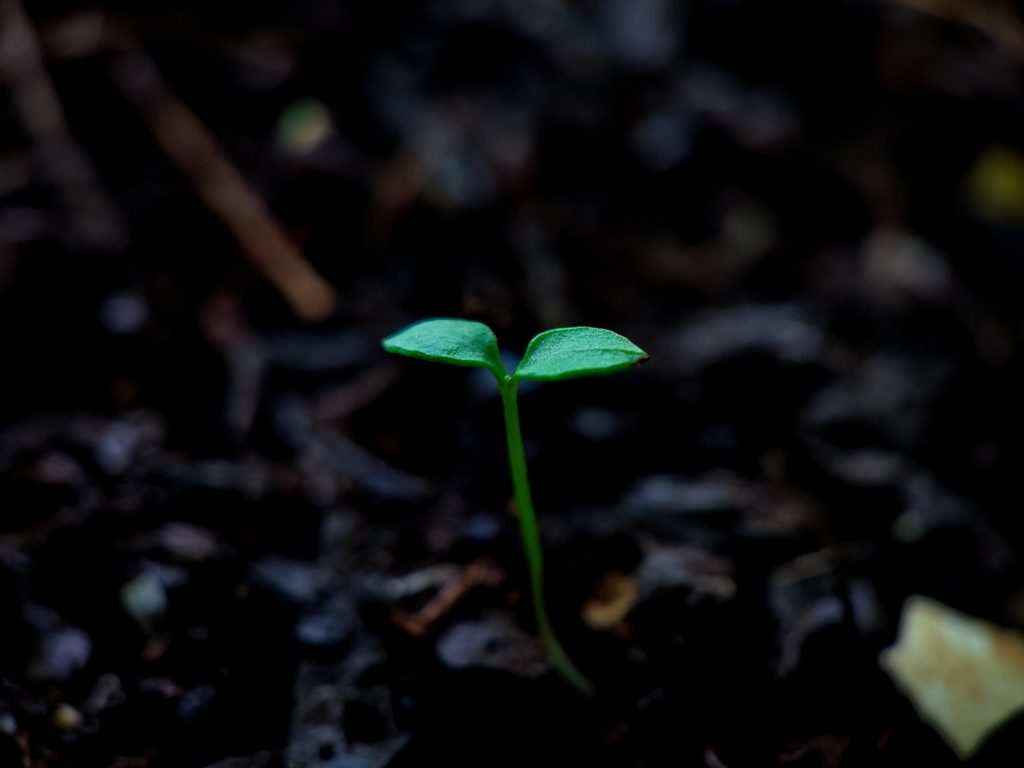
{"x": 561, "y": 353}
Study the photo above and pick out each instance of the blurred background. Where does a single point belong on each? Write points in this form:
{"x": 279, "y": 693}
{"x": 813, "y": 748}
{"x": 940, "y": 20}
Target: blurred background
{"x": 233, "y": 532}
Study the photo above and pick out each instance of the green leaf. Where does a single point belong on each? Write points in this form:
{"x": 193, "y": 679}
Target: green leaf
{"x": 448, "y": 340}
{"x": 565, "y": 353}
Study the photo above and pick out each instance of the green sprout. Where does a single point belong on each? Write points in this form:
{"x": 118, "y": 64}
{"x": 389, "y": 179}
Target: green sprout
{"x": 561, "y": 353}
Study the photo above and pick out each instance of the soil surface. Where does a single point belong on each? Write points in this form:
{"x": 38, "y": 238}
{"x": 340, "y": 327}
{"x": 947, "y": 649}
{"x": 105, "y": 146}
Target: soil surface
{"x": 235, "y": 533}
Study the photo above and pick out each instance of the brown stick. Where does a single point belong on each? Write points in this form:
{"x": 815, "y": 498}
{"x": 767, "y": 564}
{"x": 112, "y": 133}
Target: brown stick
{"x": 995, "y": 18}
{"x": 221, "y": 186}
{"x": 39, "y": 109}
{"x": 472, "y": 576}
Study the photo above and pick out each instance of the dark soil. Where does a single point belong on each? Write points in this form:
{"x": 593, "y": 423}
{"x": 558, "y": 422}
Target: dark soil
{"x": 232, "y": 536}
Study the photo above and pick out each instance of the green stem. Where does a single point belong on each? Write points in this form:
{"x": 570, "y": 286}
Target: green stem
{"x": 531, "y": 537}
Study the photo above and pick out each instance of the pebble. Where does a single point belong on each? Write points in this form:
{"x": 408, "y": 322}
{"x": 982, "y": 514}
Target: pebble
{"x": 494, "y": 642}
{"x": 124, "y": 313}
{"x": 304, "y": 125}
{"x": 66, "y": 718}
{"x": 263, "y": 759}
{"x": 61, "y": 650}
{"x": 659, "y": 495}
{"x": 330, "y": 625}
{"x": 106, "y": 693}
{"x": 671, "y": 566}
{"x": 144, "y": 598}
{"x": 8, "y": 725}
{"x": 596, "y": 424}
{"x": 295, "y": 580}
{"x": 187, "y": 542}
{"x": 782, "y": 331}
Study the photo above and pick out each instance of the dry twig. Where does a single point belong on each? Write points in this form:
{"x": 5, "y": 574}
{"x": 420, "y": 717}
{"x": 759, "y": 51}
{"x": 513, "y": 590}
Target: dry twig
{"x": 38, "y": 106}
{"x": 221, "y": 186}
{"x": 994, "y": 18}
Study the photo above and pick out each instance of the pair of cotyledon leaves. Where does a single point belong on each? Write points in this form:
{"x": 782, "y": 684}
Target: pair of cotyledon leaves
{"x": 561, "y": 353}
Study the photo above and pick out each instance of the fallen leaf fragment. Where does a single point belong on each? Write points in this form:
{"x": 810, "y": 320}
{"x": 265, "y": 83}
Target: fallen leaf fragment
{"x": 964, "y": 676}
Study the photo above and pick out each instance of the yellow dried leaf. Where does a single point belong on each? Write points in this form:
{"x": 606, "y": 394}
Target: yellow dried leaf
{"x": 613, "y": 598}
{"x": 964, "y": 676}
{"x": 995, "y": 185}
